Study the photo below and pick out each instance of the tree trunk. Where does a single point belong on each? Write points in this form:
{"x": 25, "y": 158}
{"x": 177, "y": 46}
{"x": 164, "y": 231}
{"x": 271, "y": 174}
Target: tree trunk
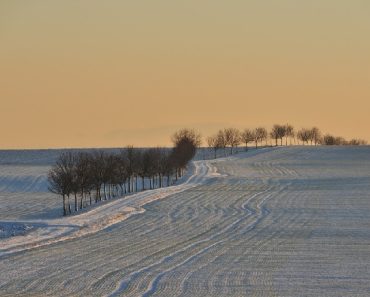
{"x": 76, "y": 207}
{"x": 69, "y": 205}
{"x": 105, "y": 192}
{"x": 82, "y": 197}
{"x": 97, "y": 195}
{"x": 64, "y": 205}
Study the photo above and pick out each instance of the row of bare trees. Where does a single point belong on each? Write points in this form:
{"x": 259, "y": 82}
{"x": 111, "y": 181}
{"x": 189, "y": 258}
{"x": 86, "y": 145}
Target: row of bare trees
{"x": 337, "y": 140}
{"x": 232, "y": 137}
{"x": 90, "y": 177}
{"x": 98, "y": 175}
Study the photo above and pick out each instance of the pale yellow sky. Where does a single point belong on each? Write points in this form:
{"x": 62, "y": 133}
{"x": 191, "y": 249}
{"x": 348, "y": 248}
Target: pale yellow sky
{"x": 108, "y": 73}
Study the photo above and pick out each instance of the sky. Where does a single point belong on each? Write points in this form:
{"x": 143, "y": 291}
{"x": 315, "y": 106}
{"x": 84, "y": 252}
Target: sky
{"x": 91, "y": 73}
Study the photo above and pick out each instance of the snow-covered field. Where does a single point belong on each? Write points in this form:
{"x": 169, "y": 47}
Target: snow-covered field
{"x": 271, "y": 222}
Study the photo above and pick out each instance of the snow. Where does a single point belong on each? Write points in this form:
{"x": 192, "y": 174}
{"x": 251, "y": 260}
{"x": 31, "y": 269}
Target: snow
{"x": 13, "y": 229}
{"x": 48, "y": 231}
{"x": 270, "y": 222}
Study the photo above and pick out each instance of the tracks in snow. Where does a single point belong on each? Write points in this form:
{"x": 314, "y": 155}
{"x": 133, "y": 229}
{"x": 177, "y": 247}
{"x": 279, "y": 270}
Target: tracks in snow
{"x": 45, "y": 232}
{"x": 288, "y": 222}
{"x": 252, "y": 208}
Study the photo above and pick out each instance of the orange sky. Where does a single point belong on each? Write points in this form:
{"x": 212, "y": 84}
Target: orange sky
{"x": 93, "y": 73}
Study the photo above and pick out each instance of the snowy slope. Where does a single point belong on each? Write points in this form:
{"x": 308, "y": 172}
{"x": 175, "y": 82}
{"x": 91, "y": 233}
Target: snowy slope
{"x": 43, "y": 231}
{"x": 274, "y": 222}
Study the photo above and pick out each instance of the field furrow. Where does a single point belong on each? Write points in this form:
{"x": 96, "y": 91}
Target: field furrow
{"x": 273, "y": 222}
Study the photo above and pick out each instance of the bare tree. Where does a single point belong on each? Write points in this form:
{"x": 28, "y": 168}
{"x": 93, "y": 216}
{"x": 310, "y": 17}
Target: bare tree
{"x": 328, "y": 139}
{"x": 289, "y": 132}
{"x": 247, "y": 136}
{"x": 214, "y": 144}
{"x": 304, "y": 135}
{"x": 75, "y": 187}
{"x": 122, "y": 172}
{"x": 149, "y": 166}
{"x": 315, "y": 135}
{"x": 278, "y": 132}
{"x": 110, "y": 175}
{"x": 130, "y": 159}
{"x": 260, "y": 134}
{"x": 168, "y": 165}
{"x": 340, "y": 141}
{"x": 82, "y": 174}
{"x": 186, "y": 142}
{"x": 221, "y": 140}
{"x": 255, "y": 137}
{"x": 282, "y": 133}
{"x": 164, "y": 166}
{"x": 232, "y": 137}
{"x": 190, "y": 135}
{"x": 60, "y": 178}
{"x": 97, "y": 171}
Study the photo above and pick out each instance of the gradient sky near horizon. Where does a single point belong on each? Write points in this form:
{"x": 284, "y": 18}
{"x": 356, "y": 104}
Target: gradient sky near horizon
{"x": 92, "y": 73}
